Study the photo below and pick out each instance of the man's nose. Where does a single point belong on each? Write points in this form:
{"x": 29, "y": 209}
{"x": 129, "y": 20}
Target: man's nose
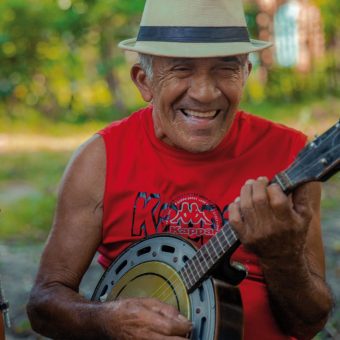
{"x": 203, "y": 88}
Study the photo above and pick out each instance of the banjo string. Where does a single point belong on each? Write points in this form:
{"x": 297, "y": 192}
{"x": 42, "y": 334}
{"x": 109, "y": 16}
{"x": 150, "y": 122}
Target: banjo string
{"x": 165, "y": 291}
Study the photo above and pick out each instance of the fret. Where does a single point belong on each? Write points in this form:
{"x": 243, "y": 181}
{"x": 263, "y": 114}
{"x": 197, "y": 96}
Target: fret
{"x": 235, "y": 238}
{"x": 189, "y": 279}
{"x": 225, "y": 237}
{"x": 202, "y": 261}
{"x": 229, "y": 235}
{"x": 283, "y": 180}
{"x": 219, "y": 241}
{"x": 184, "y": 275}
{"x": 223, "y": 241}
{"x": 193, "y": 261}
{"x": 206, "y": 254}
{"x": 198, "y": 260}
{"x": 217, "y": 246}
{"x": 190, "y": 270}
{"x": 212, "y": 246}
{"x": 226, "y": 240}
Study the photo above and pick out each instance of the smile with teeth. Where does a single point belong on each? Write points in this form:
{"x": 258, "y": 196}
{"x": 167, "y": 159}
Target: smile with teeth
{"x": 198, "y": 114}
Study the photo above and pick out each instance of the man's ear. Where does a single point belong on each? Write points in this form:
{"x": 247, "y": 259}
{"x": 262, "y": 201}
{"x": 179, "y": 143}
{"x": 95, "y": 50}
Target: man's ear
{"x": 250, "y": 67}
{"x": 247, "y": 69}
{"x": 142, "y": 82}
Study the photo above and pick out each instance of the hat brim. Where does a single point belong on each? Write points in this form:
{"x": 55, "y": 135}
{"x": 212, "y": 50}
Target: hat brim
{"x": 193, "y": 50}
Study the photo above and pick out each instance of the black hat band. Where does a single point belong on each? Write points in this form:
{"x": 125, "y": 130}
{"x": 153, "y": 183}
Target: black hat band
{"x": 188, "y": 34}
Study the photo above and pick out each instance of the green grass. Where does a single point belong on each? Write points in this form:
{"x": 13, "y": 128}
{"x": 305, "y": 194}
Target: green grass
{"x": 331, "y": 194}
{"x": 42, "y": 169}
{"x": 47, "y": 127}
{"x": 28, "y": 189}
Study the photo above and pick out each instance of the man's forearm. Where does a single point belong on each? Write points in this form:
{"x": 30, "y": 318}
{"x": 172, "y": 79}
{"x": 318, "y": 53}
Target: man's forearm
{"x": 61, "y": 313}
{"x": 301, "y": 300}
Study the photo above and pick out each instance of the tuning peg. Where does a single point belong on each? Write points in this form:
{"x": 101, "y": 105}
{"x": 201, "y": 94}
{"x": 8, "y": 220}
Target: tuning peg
{"x": 324, "y": 161}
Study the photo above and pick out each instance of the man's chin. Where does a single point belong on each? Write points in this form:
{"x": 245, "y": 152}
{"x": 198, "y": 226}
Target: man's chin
{"x": 197, "y": 145}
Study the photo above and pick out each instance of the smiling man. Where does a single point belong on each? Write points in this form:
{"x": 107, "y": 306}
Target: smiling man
{"x": 184, "y": 165}
{"x": 195, "y": 100}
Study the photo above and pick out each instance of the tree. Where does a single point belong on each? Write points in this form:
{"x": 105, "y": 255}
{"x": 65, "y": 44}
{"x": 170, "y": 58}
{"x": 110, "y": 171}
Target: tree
{"x": 44, "y": 47}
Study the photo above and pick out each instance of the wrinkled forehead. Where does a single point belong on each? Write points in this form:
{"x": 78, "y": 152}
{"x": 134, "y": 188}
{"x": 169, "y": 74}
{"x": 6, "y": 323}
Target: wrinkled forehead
{"x": 238, "y": 59}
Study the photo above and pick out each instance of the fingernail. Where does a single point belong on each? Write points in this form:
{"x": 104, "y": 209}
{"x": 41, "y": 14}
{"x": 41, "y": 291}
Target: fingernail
{"x": 237, "y": 199}
{"x": 250, "y": 181}
{"x": 262, "y": 178}
{"x": 182, "y": 318}
{"x": 275, "y": 185}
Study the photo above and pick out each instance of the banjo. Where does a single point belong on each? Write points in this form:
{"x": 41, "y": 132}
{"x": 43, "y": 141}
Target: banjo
{"x": 201, "y": 283}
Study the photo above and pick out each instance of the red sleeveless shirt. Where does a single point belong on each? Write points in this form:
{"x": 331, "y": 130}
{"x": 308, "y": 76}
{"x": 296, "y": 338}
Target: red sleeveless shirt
{"x": 144, "y": 176}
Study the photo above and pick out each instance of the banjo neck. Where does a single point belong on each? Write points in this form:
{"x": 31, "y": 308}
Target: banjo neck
{"x": 201, "y": 264}
{"x": 317, "y": 161}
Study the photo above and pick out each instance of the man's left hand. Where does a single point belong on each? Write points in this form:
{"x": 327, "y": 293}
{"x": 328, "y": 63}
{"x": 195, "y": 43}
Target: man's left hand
{"x": 270, "y": 223}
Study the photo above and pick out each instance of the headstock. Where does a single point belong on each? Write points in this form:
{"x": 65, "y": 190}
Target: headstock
{"x": 318, "y": 161}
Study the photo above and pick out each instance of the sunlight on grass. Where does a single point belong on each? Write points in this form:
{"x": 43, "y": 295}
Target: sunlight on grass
{"x": 30, "y": 142}
{"x": 52, "y": 136}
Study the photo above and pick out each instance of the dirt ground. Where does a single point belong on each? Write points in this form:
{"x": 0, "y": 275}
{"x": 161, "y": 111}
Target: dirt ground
{"x": 19, "y": 264}
{"x": 18, "y": 267}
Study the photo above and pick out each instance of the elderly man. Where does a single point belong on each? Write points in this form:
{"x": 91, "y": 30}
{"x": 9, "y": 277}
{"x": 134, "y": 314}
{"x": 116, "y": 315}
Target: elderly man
{"x": 190, "y": 148}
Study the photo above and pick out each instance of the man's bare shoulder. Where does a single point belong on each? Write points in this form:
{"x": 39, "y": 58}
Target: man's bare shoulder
{"x": 84, "y": 177}
{"x": 91, "y": 151}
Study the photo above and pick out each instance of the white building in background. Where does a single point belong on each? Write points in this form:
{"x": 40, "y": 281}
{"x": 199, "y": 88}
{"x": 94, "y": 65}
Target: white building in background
{"x": 295, "y": 27}
{"x": 286, "y": 33}
{"x": 298, "y": 34}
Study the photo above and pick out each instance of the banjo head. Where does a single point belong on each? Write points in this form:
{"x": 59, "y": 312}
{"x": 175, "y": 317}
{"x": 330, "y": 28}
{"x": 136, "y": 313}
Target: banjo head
{"x": 153, "y": 279}
{"x": 149, "y": 268}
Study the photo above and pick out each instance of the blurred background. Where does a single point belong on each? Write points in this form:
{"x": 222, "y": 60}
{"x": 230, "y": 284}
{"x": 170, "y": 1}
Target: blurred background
{"x": 62, "y": 78}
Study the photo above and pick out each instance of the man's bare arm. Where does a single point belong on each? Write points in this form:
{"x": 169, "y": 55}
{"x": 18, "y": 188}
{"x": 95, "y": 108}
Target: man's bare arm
{"x": 285, "y": 233}
{"x": 76, "y": 233}
{"x": 55, "y": 308}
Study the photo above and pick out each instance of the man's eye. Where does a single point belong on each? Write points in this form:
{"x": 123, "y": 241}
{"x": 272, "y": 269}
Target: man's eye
{"x": 182, "y": 68}
{"x": 229, "y": 68}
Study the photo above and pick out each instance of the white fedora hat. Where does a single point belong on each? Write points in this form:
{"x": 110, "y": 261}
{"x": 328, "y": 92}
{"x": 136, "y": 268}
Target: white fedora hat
{"x": 192, "y": 29}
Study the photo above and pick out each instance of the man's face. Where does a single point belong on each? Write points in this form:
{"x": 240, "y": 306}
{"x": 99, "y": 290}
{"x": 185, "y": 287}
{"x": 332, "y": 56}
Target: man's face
{"x": 195, "y": 100}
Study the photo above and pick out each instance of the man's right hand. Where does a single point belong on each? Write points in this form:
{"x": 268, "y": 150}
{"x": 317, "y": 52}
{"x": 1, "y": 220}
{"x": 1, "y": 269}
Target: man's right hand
{"x": 144, "y": 318}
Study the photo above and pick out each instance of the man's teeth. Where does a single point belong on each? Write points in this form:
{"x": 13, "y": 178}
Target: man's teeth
{"x": 208, "y": 114}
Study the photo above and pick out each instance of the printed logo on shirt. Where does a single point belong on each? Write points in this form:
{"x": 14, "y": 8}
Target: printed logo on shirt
{"x": 189, "y": 215}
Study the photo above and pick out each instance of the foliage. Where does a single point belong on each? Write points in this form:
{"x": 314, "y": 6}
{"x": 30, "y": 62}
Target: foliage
{"x": 288, "y": 85}
{"x": 60, "y": 57}
{"x": 330, "y": 11}
{"x": 59, "y": 60}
